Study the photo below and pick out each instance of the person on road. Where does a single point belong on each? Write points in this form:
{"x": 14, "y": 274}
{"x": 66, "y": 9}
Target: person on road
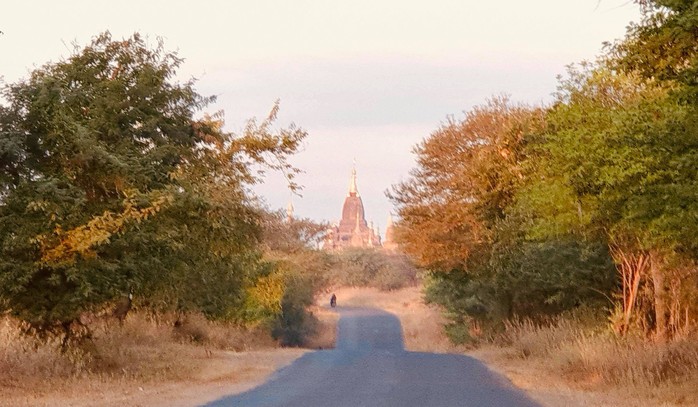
{"x": 333, "y": 301}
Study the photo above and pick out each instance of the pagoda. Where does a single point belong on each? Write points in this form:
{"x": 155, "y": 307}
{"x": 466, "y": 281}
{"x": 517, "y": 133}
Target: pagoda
{"x": 352, "y": 230}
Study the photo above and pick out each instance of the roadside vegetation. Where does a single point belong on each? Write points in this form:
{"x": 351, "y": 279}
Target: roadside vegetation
{"x": 387, "y": 271}
{"x": 131, "y": 247}
{"x": 568, "y": 232}
{"x": 114, "y": 184}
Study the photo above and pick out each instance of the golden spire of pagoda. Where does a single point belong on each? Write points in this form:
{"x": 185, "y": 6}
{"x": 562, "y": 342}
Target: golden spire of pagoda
{"x": 352, "y": 183}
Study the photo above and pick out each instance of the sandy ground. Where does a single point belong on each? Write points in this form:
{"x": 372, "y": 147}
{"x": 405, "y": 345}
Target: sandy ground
{"x": 539, "y": 383}
{"x": 551, "y": 390}
{"x": 218, "y": 374}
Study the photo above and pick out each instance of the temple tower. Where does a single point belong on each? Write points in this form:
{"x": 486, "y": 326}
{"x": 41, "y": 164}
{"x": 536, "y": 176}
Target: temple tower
{"x": 352, "y": 230}
{"x": 390, "y": 244}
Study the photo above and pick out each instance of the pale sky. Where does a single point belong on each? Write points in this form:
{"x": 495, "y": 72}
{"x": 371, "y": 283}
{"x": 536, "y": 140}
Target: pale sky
{"x": 368, "y": 79}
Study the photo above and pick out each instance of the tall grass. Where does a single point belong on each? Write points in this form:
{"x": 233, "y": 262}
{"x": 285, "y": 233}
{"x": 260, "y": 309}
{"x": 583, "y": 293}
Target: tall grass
{"x": 597, "y": 357}
{"x": 22, "y": 356}
{"x": 141, "y": 348}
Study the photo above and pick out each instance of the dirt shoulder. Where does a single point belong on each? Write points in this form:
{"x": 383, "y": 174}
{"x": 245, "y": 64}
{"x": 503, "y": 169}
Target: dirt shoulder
{"x": 212, "y": 376}
{"x": 153, "y": 369}
{"x": 552, "y": 389}
{"x": 539, "y": 383}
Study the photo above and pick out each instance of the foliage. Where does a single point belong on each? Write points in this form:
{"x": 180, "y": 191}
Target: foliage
{"x": 357, "y": 267}
{"x": 290, "y": 235}
{"x": 467, "y": 171}
{"x": 516, "y": 211}
{"x": 299, "y": 272}
{"x": 662, "y": 45}
{"x": 295, "y": 324}
{"x": 475, "y": 204}
{"x": 264, "y": 298}
{"x": 110, "y": 184}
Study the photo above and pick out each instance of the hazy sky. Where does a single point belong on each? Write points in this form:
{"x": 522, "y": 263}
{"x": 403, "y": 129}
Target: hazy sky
{"x": 368, "y": 79}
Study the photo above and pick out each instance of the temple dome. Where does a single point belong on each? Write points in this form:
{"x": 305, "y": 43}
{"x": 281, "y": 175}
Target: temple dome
{"x": 353, "y": 208}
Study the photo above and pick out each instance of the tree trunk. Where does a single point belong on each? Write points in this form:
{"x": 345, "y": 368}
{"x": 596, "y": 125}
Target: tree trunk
{"x": 632, "y": 266}
{"x": 660, "y": 305}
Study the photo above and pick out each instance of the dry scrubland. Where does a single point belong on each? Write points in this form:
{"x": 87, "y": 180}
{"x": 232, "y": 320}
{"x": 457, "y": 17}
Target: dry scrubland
{"x": 568, "y": 364}
{"x": 143, "y": 362}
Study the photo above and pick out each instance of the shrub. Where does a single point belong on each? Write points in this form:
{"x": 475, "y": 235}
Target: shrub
{"x": 295, "y": 324}
{"x": 581, "y": 351}
{"x": 372, "y": 268}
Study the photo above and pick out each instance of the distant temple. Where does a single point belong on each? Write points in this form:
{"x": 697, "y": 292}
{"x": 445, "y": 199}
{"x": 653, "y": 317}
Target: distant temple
{"x": 352, "y": 230}
{"x": 389, "y": 244}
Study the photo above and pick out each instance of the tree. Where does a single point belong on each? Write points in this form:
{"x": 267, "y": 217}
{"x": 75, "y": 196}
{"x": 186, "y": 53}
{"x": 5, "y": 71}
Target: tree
{"x": 458, "y": 219}
{"x": 291, "y": 235}
{"x": 662, "y": 48}
{"x": 466, "y": 176}
{"x": 662, "y": 45}
{"x": 298, "y": 268}
{"x": 617, "y": 146}
{"x": 523, "y": 211}
{"x": 110, "y": 185}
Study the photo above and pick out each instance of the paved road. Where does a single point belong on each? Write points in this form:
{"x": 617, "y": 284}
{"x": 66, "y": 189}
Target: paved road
{"x": 370, "y": 367}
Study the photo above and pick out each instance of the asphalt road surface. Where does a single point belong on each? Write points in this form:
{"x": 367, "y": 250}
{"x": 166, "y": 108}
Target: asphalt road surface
{"x": 370, "y": 367}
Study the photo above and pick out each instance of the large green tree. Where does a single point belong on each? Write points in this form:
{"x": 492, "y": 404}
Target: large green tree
{"x": 662, "y": 45}
{"x": 461, "y": 218}
{"x": 110, "y": 184}
{"x": 616, "y": 152}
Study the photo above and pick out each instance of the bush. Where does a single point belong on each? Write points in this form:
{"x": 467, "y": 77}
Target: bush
{"x": 372, "y": 268}
{"x": 295, "y": 324}
{"x": 196, "y": 328}
{"x": 458, "y": 333}
{"x": 397, "y": 272}
{"x": 580, "y": 351}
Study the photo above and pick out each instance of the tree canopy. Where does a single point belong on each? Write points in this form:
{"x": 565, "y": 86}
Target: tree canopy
{"x": 527, "y": 211}
{"x": 114, "y": 182}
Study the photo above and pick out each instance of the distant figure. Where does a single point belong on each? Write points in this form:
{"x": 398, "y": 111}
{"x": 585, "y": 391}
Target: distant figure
{"x": 333, "y": 301}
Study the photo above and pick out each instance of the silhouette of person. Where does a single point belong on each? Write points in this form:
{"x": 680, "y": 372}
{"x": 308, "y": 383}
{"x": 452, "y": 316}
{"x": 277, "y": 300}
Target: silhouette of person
{"x": 333, "y": 301}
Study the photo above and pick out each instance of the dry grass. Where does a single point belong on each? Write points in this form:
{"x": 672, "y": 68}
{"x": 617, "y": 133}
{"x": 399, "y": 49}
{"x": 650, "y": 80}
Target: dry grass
{"x": 23, "y": 358}
{"x": 141, "y": 362}
{"x": 595, "y": 368}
